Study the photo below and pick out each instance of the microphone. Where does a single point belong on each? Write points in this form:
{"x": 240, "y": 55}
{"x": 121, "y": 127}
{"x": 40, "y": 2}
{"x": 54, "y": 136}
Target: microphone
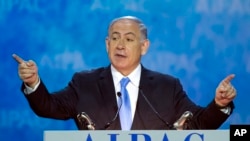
{"x": 154, "y": 110}
{"x": 85, "y": 121}
{"x": 181, "y": 123}
{"x": 107, "y": 125}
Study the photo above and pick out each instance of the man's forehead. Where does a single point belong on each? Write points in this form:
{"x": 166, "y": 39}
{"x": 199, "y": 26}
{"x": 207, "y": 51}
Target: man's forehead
{"x": 126, "y": 33}
{"x": 125, "y": 21}
{"x": 125, "y": 25}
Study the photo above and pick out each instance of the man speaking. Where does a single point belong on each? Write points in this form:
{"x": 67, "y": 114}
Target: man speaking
{"x": 124, "y": 95}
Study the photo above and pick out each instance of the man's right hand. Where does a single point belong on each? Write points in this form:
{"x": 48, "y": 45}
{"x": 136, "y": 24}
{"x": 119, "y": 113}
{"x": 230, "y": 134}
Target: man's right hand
{"x": 27, "y": 71}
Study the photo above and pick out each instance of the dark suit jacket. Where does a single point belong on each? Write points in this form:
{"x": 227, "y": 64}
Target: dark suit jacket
{"x": 93, "y": 92}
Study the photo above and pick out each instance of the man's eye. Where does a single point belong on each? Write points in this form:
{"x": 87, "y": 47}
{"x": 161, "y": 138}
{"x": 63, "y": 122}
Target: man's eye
{"x": 130, "y": 40}
{"x": 114, "y": 38}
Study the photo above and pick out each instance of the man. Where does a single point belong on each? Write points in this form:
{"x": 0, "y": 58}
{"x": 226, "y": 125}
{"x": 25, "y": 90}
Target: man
{"x": 155, "y": 100}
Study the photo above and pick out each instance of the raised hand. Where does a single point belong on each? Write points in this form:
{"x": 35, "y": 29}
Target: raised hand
{"x": 27, "y": 71}
{"x": 225, "y": 92}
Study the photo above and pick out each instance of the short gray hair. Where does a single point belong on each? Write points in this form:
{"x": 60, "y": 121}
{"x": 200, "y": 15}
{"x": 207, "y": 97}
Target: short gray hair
{"x": 142, "y": 26}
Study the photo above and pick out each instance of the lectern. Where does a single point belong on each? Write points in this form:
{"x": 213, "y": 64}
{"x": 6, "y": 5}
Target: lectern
{"x": 138, "y": 135}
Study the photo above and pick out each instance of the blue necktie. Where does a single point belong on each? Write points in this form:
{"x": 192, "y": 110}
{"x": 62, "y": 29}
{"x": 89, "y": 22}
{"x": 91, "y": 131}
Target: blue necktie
{"x": 125, "y": 111}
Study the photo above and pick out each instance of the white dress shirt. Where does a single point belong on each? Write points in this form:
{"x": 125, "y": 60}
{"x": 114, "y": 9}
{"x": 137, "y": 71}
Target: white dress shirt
{"x": 132, "y": 87}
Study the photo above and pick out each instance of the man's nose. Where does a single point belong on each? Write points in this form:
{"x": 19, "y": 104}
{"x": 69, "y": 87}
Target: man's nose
{"x": 121, "y": 44}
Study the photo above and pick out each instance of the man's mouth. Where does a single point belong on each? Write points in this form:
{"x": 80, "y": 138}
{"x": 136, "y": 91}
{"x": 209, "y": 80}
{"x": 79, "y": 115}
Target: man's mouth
{"x": 120, "y": 55}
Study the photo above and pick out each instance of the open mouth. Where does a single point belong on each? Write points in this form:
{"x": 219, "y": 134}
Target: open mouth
{"x": 120, "y": 56}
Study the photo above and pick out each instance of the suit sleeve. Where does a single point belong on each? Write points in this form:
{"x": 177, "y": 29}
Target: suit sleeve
{"x": 209, "y": 117}
{"x": 57, "y": 105}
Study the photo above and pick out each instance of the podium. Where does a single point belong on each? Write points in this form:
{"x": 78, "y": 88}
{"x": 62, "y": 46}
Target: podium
{"x": 138, "y": 135}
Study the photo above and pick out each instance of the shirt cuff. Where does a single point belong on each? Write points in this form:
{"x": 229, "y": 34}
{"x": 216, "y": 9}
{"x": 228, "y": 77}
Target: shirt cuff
{"x": 226, "y": 110}
{"x": 29, "y": 90}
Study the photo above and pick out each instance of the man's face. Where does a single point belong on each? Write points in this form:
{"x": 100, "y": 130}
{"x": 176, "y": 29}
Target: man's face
{"x": 125, "y": 45}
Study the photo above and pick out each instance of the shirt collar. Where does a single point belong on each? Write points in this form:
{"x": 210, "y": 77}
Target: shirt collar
{"x": 134, "y": 76}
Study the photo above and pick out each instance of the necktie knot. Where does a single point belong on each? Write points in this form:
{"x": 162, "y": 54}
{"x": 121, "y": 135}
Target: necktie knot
{"x": 124, "y": 82}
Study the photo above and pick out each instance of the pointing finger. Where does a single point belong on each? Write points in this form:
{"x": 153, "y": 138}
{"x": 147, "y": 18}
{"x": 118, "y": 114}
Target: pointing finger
{"x": 18, "y": 59}
{"x": 228, "y": 78}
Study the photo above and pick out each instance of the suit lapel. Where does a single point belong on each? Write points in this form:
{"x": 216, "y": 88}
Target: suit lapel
{"x": 142, "y": 108}
{"x": 107, "y": 90}
{"x": 143, "y": 111}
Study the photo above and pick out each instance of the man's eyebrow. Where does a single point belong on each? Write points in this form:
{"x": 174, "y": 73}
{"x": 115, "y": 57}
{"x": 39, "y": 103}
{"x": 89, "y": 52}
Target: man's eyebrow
{"x": 115, "y": 33}
{"x": 129, "y": 33}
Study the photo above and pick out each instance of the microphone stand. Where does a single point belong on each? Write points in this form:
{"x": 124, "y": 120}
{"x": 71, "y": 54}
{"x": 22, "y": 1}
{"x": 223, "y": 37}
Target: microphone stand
{"x": 107, "y": 125}
{"x": 170, "y": 127}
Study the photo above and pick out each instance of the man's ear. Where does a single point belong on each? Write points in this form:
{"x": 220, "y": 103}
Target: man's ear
{"x": 145, "y": 46}
{"x": 107, "y": 44}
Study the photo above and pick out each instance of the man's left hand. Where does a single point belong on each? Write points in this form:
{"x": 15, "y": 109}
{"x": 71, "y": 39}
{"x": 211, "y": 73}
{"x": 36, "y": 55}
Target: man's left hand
{"x": 225, "y": 92}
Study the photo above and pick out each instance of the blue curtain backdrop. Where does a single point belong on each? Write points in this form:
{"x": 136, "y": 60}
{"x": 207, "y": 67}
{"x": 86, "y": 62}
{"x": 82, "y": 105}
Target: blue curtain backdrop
{"x": 198, "y": 41}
